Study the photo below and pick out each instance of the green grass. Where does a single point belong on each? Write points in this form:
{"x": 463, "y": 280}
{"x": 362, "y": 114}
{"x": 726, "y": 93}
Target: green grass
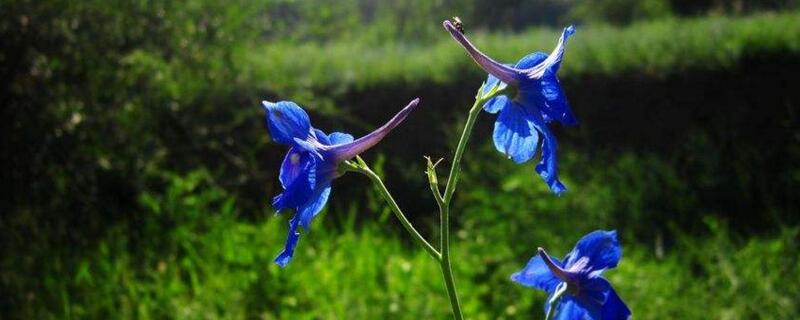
{"x": 653, "y": 48}
{"x": 193, "y": 258}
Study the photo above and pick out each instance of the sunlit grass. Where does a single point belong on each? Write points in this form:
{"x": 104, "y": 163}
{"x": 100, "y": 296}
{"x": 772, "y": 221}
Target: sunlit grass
{"x": 653, "y": 48}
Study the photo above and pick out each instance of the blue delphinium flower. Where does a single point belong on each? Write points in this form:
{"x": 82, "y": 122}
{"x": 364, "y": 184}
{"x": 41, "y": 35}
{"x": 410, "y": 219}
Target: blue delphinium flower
{"x": 311, "y": 163}
{"x": 588, "y": 295}
{"x": 537, "y": 100}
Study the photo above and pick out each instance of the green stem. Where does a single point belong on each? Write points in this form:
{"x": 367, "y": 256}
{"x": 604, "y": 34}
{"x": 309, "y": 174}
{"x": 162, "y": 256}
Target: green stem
{"x": 444, "y": 208}
{"x": 364, "y": 169}
{"x": 455, "y": 168}
{"x": 553, "y": 303}
{"x": 444, "y": 263}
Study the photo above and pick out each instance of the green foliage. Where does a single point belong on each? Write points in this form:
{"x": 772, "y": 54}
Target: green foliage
{"x": 312, "y": 72}
{"x": 101, "y": 98}
{"x": 195, "y": 259}
{"x": 620, "y": 11}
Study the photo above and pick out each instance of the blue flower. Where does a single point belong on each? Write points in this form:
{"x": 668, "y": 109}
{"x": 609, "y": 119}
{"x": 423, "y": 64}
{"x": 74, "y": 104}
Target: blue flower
{"x": 537, "y": 100}
{"x": 311, "y": 163}
{"x": 588, "y": 296}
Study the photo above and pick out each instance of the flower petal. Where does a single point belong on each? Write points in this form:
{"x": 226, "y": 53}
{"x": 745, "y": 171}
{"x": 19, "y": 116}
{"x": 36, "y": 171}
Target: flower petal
{"x": 514, "y": 134}
{"x": 286, "y": 255}
{"x": 496, "y": 104}
{"x": 349, "y": 150}
{"x": 295, "y": 194}
{"x": 340, "y": 138}
{"x": 505, "y": 73}
{"x": 287, "y": 121}
{"x": 545, "y": 92}
{"x": 553, "y": 61}
{"x": 555, "y": 103}
{"x": 531, "y": 60}
{"x": 310, "y": 210}
{"x": 321, "y": 137}
{"x": 537, "y": 275}
{"x": 615, "y": 308}
{"x": 293, "y": 165}
{"x": 548, "y": 166}
{"x": 569, "y": 309}
{"x": 600, "y": 247}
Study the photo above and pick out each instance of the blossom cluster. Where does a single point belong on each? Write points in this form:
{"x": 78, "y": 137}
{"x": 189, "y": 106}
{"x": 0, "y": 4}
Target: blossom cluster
{"x": 527, "y": 98}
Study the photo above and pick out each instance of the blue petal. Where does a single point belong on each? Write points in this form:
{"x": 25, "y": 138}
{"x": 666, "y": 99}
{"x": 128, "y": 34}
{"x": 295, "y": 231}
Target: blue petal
{"x": 308, "y": 147}
{"x": 559, "y": 50}
{"x": 548, "y": 166}
{"x": 615, "y": 308}
{"x": 593, "y": 293}
{"x": 514, "y": 134}
{"x": 600, "y": 247}
{"x": 545, "y": 92}
{"x": 555, "y": 105}
{"x": 537, "y": 275}
{"x": 530, "y": 60}
{"x": 293, "y": 165}
{"x": 340, "y": 138}
{"x": 286, "y": 255}
{"x": 310, "y": 210}
{"x": 569, "y": 309}
{"x": 287, "y": 121}
{"x": 496, "y": 104}
{"x": 490, "y": 82}
{"x": 322, "y": 137}
{"x": 294, "y": 195}
{"x": 300, "y": 189}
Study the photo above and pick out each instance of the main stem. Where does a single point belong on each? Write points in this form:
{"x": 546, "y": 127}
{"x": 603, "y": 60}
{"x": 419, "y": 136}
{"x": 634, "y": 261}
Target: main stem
{"x": 444, "y": 210}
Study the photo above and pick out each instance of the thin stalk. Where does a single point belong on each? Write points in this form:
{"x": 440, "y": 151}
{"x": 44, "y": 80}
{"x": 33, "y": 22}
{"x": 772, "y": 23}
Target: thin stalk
{"x": 444, "y": 263}
{"x": 444, "y": 209}
{"x": 455, "y": 168}
{"x": 364, "y": 169}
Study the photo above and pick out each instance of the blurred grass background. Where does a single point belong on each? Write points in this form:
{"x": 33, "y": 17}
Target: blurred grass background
{"x": 138, "y": 171}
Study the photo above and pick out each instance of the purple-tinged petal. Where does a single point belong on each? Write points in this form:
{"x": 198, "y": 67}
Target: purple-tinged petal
{"x": 593, "y": 292}
{"x": 553, "y": 61}
{"x": 287, "y": 121}
{"x": 601, "y": 248}
{"x": 286, "y": 255}
{"x": 340, "y": 138}
{"x": 615, "y": 308}
{"x": 536, "y": 274}
{"x": 505, "y": 73}
{"x": 548, "y": 166}
{"x": 293, "y": 165}
{"x": 514, "y": 134}
{"x": 347, "y": 151}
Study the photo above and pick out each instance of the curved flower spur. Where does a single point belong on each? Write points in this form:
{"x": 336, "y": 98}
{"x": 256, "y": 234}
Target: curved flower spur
{"x": 533, "y": 98}
{"x": 312, "y": 161}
